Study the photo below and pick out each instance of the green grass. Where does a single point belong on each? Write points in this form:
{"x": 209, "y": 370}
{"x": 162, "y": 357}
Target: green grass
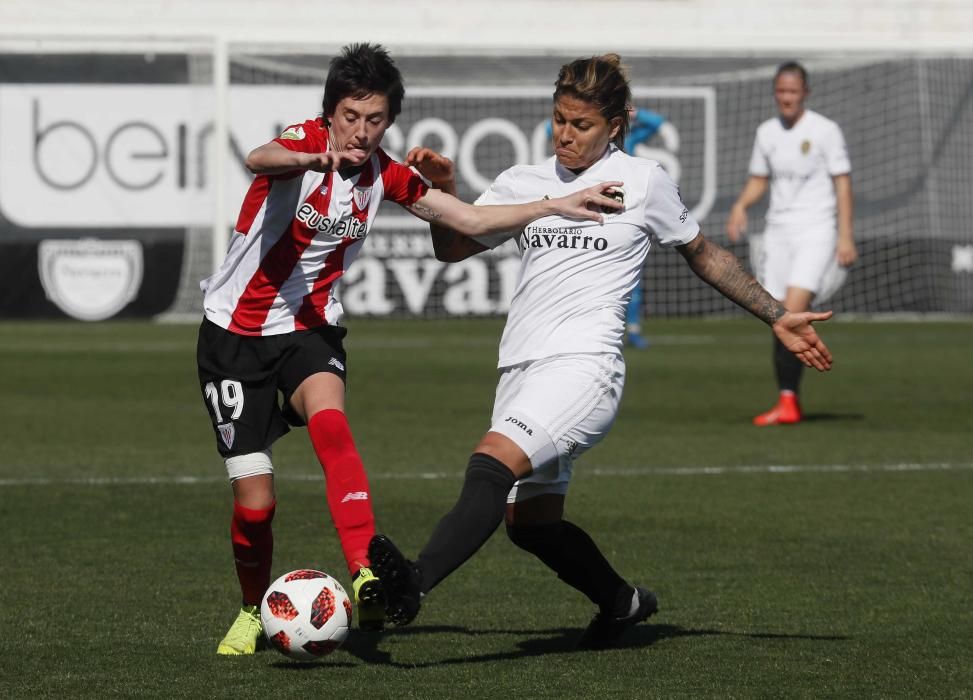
{"x": 849, "y": 576}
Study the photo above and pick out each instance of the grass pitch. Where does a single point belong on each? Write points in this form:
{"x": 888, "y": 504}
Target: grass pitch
{"x": 829, "y": 559}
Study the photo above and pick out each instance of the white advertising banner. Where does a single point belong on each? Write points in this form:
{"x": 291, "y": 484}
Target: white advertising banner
{"x": 98, "y": 155}
{"x": 124, "y": 155}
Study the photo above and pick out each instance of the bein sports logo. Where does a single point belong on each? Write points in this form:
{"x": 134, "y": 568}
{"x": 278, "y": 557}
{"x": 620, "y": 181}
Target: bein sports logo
{"x": 149, "y": 151}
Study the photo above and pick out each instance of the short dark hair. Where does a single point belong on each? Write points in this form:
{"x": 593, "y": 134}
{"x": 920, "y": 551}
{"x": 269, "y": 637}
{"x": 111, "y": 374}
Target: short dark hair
{"x": 792, "y": 67}
{"x": 602, "y": 81}
{"x": 361, "y": 70}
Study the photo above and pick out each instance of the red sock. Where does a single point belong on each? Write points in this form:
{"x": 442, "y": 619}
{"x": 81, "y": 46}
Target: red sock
{"x": 349, "y": 497}
{"x": 253, "y": 549}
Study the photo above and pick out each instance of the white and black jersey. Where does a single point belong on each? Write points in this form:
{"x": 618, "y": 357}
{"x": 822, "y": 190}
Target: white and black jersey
{"x": 800, "y": 162}
{"x": 576, "y": 276}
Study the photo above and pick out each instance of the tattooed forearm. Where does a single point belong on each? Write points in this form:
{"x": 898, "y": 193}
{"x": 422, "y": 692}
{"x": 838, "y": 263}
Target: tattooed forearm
{"x": 425, "y": 213}
{"x": 723, "y": 271}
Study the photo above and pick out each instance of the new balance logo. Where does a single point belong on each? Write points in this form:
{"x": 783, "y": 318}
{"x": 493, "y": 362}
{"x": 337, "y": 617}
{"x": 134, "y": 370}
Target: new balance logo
{"x": 519, "y": 424}
{"x": 335, "y": 362}
{"x": 355, "y": 496}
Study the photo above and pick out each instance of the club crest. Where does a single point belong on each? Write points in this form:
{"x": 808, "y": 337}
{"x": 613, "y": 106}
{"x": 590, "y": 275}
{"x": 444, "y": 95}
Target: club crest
{"x": 362, "y": 195}
{"x": 228, "y": 433}
{"x": 90, "y": 279}
{"x": 805, "y": 147}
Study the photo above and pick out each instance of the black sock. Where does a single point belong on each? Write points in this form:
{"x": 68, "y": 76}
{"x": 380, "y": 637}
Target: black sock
{"x": 788, "y": 368}
{"x": 576, "y": 559}
{"x": 475, "y": 517}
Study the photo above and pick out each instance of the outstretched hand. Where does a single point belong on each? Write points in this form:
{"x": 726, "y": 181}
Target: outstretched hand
{"x": 590, "y": 203}
{"x": 797, "y": 334}
{"x": 433, "y": 166}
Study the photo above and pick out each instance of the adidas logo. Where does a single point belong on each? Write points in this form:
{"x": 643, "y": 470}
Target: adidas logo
{"x": 355, "y": 496}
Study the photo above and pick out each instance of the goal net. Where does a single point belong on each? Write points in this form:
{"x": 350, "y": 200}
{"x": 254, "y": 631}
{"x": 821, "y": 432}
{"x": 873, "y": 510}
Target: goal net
{"x": 908, "y": 123}
{"x": 122, "y": 144}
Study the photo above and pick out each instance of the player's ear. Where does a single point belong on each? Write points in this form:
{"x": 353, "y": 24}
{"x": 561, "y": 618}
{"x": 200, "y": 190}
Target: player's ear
{"x": 616, "y": 125}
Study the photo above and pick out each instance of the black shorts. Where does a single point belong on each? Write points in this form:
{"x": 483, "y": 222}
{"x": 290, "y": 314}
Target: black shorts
{"x": 241, "y": 376}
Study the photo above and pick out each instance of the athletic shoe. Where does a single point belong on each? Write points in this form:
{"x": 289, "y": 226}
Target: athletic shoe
{"x": 400, "y": 577}
{"x": 245, "y": 633}
{"x": 786, "y": 412}
{"x": 605, "y": 629}
{"x": 369, "y": 599}
{"x": 638, "y": 341}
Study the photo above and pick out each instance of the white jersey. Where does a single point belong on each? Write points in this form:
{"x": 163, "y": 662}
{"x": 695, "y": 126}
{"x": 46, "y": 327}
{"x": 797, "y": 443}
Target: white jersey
{"x": 800, "y": 162}
{"x": 576, "y": 277}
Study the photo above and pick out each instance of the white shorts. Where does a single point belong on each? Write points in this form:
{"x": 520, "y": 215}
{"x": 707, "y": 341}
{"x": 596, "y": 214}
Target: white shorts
{"x": 781, "y": 258}
{"x": 555, "y": 409}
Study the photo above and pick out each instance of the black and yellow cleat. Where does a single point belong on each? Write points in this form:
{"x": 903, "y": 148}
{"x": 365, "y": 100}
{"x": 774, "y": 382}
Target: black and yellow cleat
{"x": 401, "y": 578}
{"x": 370, "y": 600}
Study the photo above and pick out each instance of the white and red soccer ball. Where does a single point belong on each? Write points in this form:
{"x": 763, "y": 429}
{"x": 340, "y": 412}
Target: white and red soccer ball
{"x": 306, "y": 614}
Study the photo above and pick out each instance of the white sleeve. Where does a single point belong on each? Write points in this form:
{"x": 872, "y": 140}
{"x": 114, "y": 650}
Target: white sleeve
{"x": 759, "y": 165}
{"x": 667, "y": 217}
{"x": 837, "y": 153}
{"x": 501, "y": 191}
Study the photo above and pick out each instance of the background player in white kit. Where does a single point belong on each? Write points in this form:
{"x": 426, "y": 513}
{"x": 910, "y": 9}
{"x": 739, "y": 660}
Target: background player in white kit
{"x": 272, "y": 313}
{"x": 802, "y": 256}
{"x": 561, "y": 363}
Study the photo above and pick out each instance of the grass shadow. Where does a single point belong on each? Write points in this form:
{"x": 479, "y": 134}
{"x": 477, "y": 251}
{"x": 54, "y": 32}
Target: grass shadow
{"x": 558, "y": 640}
{"x": 832, "y": 417}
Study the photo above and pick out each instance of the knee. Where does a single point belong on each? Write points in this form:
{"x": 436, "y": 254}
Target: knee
{"x": 485, "y": 467}
{"x": 242, "y": 467}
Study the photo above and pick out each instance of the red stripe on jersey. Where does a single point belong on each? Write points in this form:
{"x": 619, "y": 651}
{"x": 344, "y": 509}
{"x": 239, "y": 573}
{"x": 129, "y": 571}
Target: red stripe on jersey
{"x": 311, "y": 313}
{"x": 401, "y": 184}
{"x": 256, "y": 196}
{"x": 275, "y": 268}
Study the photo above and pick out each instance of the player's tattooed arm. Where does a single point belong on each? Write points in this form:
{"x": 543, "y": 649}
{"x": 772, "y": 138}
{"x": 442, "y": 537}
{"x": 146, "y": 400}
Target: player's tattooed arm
{"x": 447, "y": 244}
{"x": 425, "y": 213}
{"x": 722, "y": 270}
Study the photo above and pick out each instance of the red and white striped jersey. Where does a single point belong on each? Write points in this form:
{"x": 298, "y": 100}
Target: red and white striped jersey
{"x": 297, "y": 234}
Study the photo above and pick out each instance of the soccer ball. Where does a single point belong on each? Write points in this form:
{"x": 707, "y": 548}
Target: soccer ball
{"x": 306, "y": 614}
